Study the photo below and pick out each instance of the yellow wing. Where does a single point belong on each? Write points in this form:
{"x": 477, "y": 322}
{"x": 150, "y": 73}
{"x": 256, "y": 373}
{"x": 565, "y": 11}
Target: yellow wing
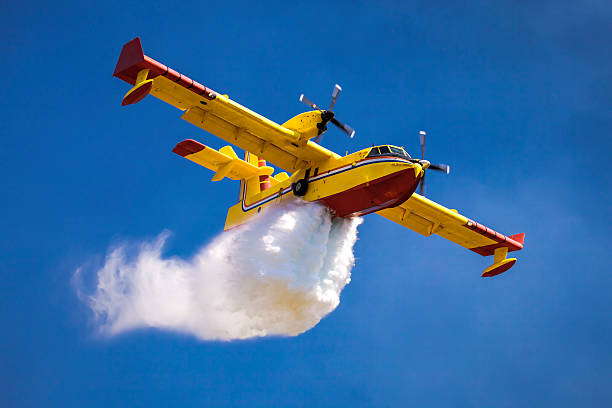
{"x": 427, "y": 217}
{"x": 286, "y": 146}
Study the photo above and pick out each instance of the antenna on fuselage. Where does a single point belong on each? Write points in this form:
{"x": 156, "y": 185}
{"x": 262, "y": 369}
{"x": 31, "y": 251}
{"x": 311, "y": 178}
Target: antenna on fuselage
{"x": 438, "y": 167}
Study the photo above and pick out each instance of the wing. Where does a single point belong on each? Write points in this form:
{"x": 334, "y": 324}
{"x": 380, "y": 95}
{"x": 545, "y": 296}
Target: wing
{"x": 289, "y": 149}
{"x": 427, "y": 217}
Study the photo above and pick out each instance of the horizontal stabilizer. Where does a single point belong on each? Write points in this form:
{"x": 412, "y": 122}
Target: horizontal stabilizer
{"x": 225, "y": 162}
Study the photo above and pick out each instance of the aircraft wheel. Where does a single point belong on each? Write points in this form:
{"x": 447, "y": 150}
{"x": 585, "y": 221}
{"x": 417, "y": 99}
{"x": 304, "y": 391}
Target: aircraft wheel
{"x": 300, "y": 187}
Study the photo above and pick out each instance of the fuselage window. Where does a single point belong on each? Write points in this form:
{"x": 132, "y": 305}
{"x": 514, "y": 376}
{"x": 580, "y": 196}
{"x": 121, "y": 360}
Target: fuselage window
{"x": 384, "y": 150}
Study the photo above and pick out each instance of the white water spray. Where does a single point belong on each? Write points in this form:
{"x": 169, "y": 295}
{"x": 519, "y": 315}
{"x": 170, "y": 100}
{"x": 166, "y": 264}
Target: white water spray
{"x": 280, "y": 274}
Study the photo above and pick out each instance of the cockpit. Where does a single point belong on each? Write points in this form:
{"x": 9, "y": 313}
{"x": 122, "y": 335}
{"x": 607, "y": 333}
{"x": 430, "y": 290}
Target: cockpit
{"x": 388, "y": 150}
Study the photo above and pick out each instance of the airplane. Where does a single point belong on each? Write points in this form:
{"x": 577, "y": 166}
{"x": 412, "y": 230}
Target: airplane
{"x": 379, "y": 179}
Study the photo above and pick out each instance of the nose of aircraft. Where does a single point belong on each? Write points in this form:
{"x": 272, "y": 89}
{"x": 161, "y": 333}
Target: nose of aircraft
{"x": 424, "y": 163}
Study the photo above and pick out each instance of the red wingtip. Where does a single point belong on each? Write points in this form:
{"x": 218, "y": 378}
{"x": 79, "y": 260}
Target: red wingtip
{"x": 131, "y": 55}
{"x": 520, "y": 238}
{"x": 187, "y": 147}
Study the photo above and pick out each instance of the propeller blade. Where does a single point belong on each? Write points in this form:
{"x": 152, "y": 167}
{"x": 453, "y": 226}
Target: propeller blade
{"x": 422, "y": 140}
{"x": 440, "y": 167}
{"x": 328, "y": 115}
{"x": 349, "y": 130}
{"x": 335, "y": 93}
{"x": 422, "y": 186}
{"x": 308, "y": 102}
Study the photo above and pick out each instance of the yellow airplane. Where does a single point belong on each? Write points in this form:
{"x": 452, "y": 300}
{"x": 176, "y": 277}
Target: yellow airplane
{"x": 380, "y": 179}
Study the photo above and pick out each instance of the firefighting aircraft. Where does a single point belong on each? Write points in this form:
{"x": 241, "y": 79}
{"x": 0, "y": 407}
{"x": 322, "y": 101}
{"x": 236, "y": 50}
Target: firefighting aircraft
{"x": 380, "y": 179}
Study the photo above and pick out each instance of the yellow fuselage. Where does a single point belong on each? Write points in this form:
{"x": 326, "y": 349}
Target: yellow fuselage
{"x": 352, "y": 185}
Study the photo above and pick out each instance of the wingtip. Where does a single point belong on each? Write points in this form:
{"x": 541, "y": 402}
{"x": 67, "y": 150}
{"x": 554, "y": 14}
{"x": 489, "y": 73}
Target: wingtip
{"x": 520, "y": 238}
{"x": 131, "y": 54}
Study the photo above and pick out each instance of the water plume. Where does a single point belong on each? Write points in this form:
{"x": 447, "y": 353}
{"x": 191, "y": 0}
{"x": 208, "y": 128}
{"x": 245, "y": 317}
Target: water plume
{"x": 280, "y": 274}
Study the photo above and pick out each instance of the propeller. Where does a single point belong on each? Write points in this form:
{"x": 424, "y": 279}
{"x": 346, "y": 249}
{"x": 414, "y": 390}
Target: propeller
{"x": 330, "y": 117}
{"x": 438, "y": 167}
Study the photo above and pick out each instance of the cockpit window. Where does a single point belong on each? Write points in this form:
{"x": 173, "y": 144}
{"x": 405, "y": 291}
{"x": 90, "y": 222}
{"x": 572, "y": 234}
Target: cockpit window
{"x": 397, "y": 150}
{"x": 388, "y": 151}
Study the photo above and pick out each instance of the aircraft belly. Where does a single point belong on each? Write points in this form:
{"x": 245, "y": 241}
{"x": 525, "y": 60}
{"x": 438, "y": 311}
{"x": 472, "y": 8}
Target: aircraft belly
{"x": 381, "y": 186}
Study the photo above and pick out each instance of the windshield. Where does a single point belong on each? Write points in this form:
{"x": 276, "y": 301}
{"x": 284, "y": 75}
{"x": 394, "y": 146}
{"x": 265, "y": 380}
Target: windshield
{"x": 388, "y": 151}
{"x": 397, "y": 150}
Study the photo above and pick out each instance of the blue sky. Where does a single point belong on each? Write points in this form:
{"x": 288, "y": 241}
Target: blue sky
{"x": 515, "y": 96}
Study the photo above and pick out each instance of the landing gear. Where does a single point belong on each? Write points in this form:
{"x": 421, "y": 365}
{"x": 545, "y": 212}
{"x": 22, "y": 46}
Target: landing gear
{"x": 300, "y": 187}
